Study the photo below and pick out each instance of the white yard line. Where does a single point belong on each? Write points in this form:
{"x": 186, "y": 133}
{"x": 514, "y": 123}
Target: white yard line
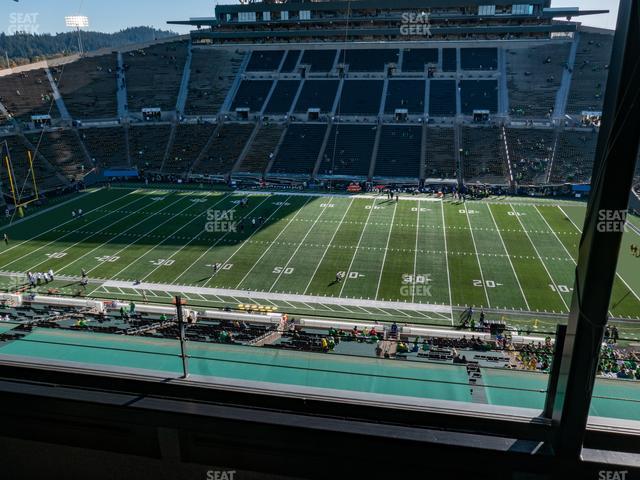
{"x": 62, "y": 225}
{"x": 617, "y": 274}
{"x": 272, "y": 243}
{"x": 475, "y": 247}
{"x": 326, "y": 205}
{"x": 446, "y": 258}
{"x": 355, "y": 253}
{"x": 415, "y": 257}
{"x": 217, "y": 241}
{"x": 384, "y": 258}
{"x": 508, "y": 257}
{"x": 324, "y": 254}
{"x": 555, "y": 286}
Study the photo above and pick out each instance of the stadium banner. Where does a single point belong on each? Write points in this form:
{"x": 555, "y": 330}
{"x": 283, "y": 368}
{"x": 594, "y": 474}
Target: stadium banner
{"x": 120, "y": 173}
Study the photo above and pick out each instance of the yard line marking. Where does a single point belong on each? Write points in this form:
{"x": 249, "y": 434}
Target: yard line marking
{"x": 259, "y": 229}
{"x": 446, "y": 257}
{"x": 326, "y": 205}
{"x": 415, "y": 257}
{"x": 328, "y": 246}
{"x": 355, "y": 252}
{"x": 541, "y": 260}
{"x": 217, "y": 242}
{"x": 475, "y": 247}
{"x": 384, "y": 258}
{"x": 271, "y": 244}
{"x": 617, "y": 274}
{"x": 508, "y": 257}
{"x": 62, "y": 225}
{"x": 121, "y": 234}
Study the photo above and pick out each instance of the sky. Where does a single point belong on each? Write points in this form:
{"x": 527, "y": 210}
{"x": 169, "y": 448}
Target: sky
{"x": 47, "y": 16}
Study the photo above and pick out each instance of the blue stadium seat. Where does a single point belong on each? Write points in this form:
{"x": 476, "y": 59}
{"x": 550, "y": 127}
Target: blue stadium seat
{"x": 349, "y": 150}
{"x": 300, "y": 149}
{"x": 320, "y": 60}
{"x": 415, "y": 59}
{"x": 282, "y": 97}
{"x": 399, "y": 152}
{"x": 252, "y": 94}
{"x": 407, "y": 94}
{"x": 479, "y": 58}
{"x": 265, "y": 60}
{"x": 361, "y": 97}
{"x": 317, "y": 94}
{"x": 478, "y": 95}
{"x": 442, "y": 98}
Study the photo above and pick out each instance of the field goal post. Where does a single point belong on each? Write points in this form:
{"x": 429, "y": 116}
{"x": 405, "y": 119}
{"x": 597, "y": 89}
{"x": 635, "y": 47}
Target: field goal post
{"x": 15, "y": 194}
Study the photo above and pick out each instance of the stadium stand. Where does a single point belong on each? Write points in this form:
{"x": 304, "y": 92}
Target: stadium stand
{"x": 368, "y": 60}
{"x": 106, "y": 146}
{"x": 589, "y": 77}
{"x": 530, "y": 152}
{"x": 291, "y": 61}
{"x": 349, "y": 150}
{"x": 415, "y": 59}
{"x": 212, "y": 74}
{"x": 300, "y": 149}
{"x": 263, "y": 147}
{"x": 252, "y": 94}
{"x": 361, "y": 97}
{"x": 189, "y": 142}
{"x": 574, "y": 157}
{"x": 154, "y": 75}
{"x": 225, "y": 149}
{"x": 27, "y": 93}
{"x": 282, "y": 97}
{"x": 148, "y": 145}
{"x": 46, "y": 178}
{"x": 478, "y": 95}
{"x": 265, "y": 60}
{"x": 62, "y": 149}
{"x": 449, "y": 61}
{"x": 440, "y": 153}
{"x": 89, "y": 87}
{"x": 534, "y": 76}
{"x": 407, "y": 94}
{"x": 479, "y": 58}
{"x": 317, "y": 94}
{"x": 442, "y": 98}
{"x": 483, "y": 155}
{"x": 319, "y": 60}
{"x": 399, "y": 152}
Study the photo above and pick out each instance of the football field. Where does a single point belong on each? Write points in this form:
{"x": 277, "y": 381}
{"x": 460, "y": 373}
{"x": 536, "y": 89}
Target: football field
{"x": 416, "y": 260}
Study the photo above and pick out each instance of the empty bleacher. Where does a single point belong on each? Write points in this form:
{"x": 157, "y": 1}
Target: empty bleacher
{"x": 290, "y": 61}
{"x": 263, "y": 147}
{"x": 478, "y": 95}
{"x": 154, "y": 75}
{"x": 317, "y": 94}
{"x": 399, "y": 152}
{"x": 479, "y": 58}
{"x": 449, "y": 60}
{"x": 349, "y": 149}
{"x": 530, "y": 151}
{"x": 483, "y": 155}
{"x": 368, "y": 60}
{"x": 252, "y": 94}
{"x": 282, "y": 97}
{"x": 106, "y": 146}
{"x": 590, "y": 72}
{"x": 89, "y": 87}
{"x": 574, "y": 157}
{"x": 440, "y": 153}
{"x": 46, "y": 178}
{"x": 148, "y": 145}
{"x": 225, "y": 149}
{"x": 319, "y": 60}
{"x": 265, "y": 60}
{"x": 534, "y": 76}
{"x": 27, "y": 93}
{"x": 442, "y": 98}
{"x": 62, "y": 149}
{"x": 212, "y": 75}
{"x": 415, "y": 59}
{"x": 300, "y": 149}
{"x": 189, "y": 142}
{"x": 407, "y": 94}
{"x": 361, "y": 97}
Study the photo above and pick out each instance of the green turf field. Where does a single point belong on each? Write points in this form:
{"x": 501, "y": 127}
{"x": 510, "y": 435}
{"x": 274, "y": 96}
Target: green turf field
{"x": 416, "y": 260}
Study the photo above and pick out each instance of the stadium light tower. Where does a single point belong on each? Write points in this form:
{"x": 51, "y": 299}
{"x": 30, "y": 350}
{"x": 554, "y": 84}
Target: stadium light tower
{"x": 78, "y": 22}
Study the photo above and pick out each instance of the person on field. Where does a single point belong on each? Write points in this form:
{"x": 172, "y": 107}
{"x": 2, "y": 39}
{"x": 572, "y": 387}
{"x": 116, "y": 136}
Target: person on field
{"x": 6, "y": 239}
